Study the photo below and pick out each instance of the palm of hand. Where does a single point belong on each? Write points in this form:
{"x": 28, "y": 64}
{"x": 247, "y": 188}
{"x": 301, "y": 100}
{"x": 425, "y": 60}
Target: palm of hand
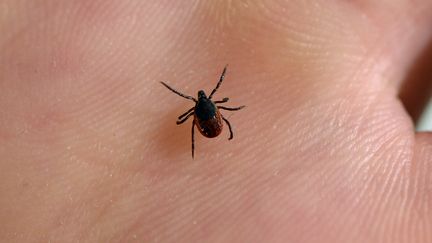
{"x": 324, "y": 152}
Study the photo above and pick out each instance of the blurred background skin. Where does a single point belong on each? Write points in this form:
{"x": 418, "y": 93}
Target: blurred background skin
{"x": 326, "y": 150}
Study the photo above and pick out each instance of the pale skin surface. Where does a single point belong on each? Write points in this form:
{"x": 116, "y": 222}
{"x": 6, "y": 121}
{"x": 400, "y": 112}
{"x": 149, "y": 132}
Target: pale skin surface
{"x": 323, "y": 152}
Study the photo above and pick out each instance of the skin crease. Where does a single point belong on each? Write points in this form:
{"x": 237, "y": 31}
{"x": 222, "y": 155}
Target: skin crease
{"x": 323, "y": 152}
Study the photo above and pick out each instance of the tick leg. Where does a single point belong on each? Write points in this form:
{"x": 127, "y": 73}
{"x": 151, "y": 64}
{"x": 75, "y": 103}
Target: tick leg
{"x": 175, "y": 91}
{"x": 193, "y": 139}
{"x": 231, "y": 109}
{"x": 184, "y": 119}
{"x": 219, "y": 83}
{"x": 222, "y": 101}
{"x": 185, "y": 114}
{"x": 230, "y": 128}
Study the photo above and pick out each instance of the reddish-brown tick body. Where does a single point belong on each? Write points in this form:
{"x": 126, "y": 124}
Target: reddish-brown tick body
{"x": 206, "y": 113}
{"x": 207, "y": 117}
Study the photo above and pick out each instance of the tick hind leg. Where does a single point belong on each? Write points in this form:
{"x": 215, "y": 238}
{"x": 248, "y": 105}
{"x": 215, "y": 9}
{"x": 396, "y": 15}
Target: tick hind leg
{"x": 193, "y": 139}
{"x": 229, "y": 127}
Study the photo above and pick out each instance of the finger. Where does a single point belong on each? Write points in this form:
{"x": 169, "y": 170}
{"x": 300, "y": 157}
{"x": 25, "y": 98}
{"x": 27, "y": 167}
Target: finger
{"x": 416, "y": 89}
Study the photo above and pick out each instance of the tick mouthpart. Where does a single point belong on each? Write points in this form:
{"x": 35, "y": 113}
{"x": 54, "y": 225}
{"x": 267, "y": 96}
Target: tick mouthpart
{"x": 202, "y": 95}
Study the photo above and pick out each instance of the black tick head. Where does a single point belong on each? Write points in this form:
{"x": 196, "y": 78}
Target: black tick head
{"x": 201, "y": 95}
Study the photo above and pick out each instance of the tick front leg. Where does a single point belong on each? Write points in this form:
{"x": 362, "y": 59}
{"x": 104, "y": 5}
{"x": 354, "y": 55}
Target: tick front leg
{"x": 184, "y": 119}
{"x": 193, "y": 139}
{"x": 219, "y": 83}
{"x": 231, "y": 109}
{"x": 230, "y": 128}
{"x": 178, "y": 93}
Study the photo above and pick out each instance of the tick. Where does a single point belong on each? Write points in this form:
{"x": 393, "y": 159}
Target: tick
{"x": 206, "y": 113}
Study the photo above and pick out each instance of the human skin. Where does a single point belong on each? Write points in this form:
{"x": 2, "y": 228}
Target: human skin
{"x": 324, "y": 151}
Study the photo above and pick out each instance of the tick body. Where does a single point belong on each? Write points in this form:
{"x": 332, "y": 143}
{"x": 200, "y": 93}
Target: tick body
{"x": 207, "y": 117}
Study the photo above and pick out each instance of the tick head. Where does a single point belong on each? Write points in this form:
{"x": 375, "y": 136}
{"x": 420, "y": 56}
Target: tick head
{"x": 201, "y": 95}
